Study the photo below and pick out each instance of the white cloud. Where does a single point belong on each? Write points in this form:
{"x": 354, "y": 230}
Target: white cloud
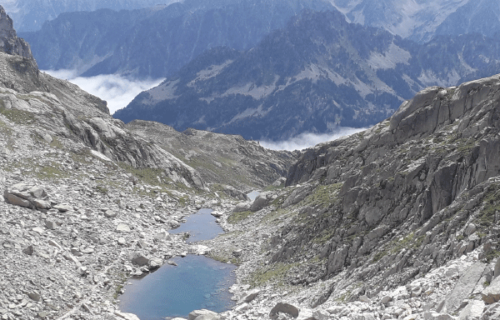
{"x": 307, "y": 140}
{"x": 118, "y": 91}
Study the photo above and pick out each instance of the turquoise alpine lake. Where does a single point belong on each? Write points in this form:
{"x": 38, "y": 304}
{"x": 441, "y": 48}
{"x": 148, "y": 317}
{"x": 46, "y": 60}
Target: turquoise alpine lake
{"x": 197, "y": 282}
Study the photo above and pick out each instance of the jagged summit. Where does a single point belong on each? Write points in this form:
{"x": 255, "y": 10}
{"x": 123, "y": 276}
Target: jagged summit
{"x": 9, "y": 42}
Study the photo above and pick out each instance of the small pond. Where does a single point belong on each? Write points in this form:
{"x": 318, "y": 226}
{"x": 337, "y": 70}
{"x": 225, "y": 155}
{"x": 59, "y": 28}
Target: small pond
{"x": 197, "y": 282}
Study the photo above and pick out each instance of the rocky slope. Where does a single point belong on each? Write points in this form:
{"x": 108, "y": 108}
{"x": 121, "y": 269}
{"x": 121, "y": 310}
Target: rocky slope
{"x": 318, "y": 73}
{"x": 156, "y": 42}
{"x": 219, "y": 158}
{"x": 85, "y": 202}
{"x": 397, "y": 222}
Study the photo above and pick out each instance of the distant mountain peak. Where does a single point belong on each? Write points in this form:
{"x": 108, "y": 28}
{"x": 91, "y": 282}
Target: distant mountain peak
{"x": 9, "y": 42}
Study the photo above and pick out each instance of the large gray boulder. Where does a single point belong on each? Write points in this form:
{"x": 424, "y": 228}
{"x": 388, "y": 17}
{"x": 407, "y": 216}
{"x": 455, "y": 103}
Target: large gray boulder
{"x": 283, "y": 307}
{"x": 465, "y": 286}
{"x": 242, "y": 207}
{"x": 263, "y": 200}
{"x": 492, "y": 293}
{"x": 251, "y": 295}
{"x": 473, "y": 311}
{"x": 203, "y": 314}
{"x": 140, "y": 259}
{"x": 28, "y": 196}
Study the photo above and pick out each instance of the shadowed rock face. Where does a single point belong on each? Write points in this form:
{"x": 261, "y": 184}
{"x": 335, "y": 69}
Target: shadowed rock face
{"x": 9, "y": 42}
{"x": 411, "y": 182}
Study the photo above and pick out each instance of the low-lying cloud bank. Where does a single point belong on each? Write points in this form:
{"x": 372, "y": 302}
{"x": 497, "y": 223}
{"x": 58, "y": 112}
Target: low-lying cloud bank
{"x": 116, "y": 90}
{"x": 307, "y": 140}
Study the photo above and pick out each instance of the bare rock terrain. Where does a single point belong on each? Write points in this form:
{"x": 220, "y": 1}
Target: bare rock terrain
{"x": 397, "y": 222}
{"x": 220, "y": 158}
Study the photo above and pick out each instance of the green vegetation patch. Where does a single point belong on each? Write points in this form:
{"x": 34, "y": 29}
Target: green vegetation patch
{"x": 184, "y": 200}
{"x": 151, "y": 176}
{"x": 101, "y": 189}
{"x": 52, "y": 171}
{"x": 17, "y": 116}
{"x": 492, "y": 255}
{"x": 273, "y": 188}
{"x": 491, "y": 204}
{"x": 410, "y": 242}
{"x": 465, "y": 146}
{"x": 324, "y": 195}
{"x": 5, "y": 130}
{"x": 57, "y": 144}
{"x": 379, "y": 256}
{"x": 324, "y": 236}
{"x": 274, "y": 215}
{"x": 236, "y": 217}
{"x": 225, "y": 258}
{"x": 275, "y": 273}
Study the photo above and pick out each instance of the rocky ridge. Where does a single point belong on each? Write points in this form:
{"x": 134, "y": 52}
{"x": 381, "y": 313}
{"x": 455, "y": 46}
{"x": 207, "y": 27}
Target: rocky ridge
{"x": 9, "y": 42}
{"x": 219, "y": 158}
{"x": 397, "y": 222}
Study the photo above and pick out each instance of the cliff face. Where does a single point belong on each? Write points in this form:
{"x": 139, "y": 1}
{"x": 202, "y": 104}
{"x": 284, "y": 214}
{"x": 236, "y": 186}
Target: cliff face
{"x": 425, "y": 173}
{"x": 9, "y": 42}
{"x": 383, "y": 215}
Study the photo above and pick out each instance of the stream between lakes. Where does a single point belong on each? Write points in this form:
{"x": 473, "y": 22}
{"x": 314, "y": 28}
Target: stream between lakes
{"x": 197, "y": 282}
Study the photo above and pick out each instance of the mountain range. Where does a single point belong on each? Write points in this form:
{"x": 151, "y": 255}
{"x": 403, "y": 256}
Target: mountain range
{"x": 318, "y": 73}
{"x": 156, "y": 42}
{"x": 417, "y": 20}
{"x": 30, "y": 15}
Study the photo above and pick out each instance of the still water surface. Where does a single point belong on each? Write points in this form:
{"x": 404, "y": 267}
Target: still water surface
{"x": 201, "y": 226}
{"x": 196, "y": 283}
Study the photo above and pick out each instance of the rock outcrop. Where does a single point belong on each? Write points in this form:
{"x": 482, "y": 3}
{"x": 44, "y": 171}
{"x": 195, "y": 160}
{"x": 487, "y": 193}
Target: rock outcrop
{"x": 229, "y": 161}
{"x": 398, "y": 221}
{"x": 9, "y": 42}
{"x": 64, "y": 110}
{"x": 431, "y": 166}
